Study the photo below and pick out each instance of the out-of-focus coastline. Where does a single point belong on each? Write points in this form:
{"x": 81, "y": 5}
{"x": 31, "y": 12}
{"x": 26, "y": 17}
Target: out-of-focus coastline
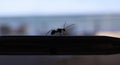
{"x": 85, "y": 25}
{"x": 111, "y": 34}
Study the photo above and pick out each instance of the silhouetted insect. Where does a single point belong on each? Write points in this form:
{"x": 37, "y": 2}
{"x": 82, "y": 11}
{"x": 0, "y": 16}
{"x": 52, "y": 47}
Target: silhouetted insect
{"x": 59, "y": 30}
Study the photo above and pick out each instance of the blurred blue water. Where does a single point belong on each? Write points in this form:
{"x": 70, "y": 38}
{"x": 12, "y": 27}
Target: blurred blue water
{"x": 45, "y": 23}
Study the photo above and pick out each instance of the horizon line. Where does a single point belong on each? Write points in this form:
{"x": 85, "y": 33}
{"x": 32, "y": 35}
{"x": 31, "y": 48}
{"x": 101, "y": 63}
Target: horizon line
{"x": 79, "y": 14}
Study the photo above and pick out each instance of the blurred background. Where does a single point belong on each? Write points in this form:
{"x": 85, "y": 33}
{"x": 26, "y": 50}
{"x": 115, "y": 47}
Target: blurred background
{"x": 37, "y": 17}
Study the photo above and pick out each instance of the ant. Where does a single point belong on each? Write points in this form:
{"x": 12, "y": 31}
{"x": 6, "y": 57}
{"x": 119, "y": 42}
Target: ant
{"x": 59, "y": 30}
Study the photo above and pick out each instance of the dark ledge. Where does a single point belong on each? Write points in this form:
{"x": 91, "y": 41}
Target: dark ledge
{"x": 59, "y": 45}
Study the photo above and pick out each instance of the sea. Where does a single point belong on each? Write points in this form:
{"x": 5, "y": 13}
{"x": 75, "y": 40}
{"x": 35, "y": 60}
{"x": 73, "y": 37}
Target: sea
{"x": 83, "y": 23}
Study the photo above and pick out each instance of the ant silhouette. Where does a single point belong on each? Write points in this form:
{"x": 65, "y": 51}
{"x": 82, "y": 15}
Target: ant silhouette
{"x": 59, "y": 30}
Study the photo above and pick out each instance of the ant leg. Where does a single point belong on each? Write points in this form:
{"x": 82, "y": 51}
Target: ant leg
{"x": 61, "y": 34}
{"x": 48, "y": 32}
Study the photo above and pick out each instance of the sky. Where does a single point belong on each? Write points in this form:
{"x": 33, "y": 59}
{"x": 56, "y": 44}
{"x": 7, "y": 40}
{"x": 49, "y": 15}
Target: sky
{"x": 57, "y": 7}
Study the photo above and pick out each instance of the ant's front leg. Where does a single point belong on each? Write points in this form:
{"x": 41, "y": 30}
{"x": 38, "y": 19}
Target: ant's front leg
{"x": 48, "y": 32}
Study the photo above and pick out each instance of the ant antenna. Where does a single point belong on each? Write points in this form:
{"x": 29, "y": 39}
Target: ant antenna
{"x": 70, "y": 25}
{"x": 64, "y": 25}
